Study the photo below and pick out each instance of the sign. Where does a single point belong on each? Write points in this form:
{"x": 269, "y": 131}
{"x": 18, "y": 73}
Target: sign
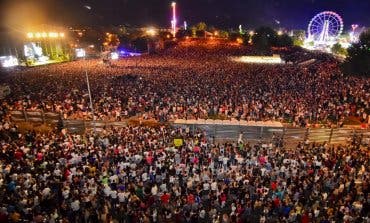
{"x": 178, "y": 142}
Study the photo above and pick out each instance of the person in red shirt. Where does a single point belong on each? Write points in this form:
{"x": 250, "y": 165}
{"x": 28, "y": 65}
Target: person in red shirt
{"x": 274, "y": 186}
{"x": 18, "y": 154}
{"x": 165, "y": 198}
{"x": 149, "y": 159}
{"x": 305, "y": 218}
{"x": 191, "y": 199}
{"x": 223, "y": 199}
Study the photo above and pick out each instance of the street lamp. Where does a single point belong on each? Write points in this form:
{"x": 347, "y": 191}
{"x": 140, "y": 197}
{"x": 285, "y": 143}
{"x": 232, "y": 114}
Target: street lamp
{"x": 90, "y": 97}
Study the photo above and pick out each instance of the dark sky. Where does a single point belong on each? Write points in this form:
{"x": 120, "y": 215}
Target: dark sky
{"x": 221, "y": 13}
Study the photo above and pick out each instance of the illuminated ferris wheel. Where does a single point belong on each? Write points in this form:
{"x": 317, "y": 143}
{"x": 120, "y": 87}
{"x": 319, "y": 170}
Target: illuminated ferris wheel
{"x": 325, "y": 27}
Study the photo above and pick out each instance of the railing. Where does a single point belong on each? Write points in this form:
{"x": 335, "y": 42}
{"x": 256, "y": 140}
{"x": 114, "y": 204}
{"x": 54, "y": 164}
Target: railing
{"x": 215, "y": 130}
{"x": 80, "y": 126}
{"x": 35, "y": 116}
{"x": 220, "y": 132}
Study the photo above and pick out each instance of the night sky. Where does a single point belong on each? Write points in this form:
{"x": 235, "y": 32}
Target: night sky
{"x": 220, "y": 13}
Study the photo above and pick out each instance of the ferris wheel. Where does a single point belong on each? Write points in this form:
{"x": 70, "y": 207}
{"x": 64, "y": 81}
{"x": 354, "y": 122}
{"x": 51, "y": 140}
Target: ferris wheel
{"x": 325, "y": 27}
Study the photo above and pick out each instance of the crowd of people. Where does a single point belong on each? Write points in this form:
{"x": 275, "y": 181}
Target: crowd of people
{"x": 189, "y": 82}
{"x": 137, "y": 174}
{"x": 163, "y": 174}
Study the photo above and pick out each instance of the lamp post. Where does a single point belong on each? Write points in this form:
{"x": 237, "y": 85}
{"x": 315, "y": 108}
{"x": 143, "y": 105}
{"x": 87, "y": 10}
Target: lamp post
{"x": 90, "y": 98}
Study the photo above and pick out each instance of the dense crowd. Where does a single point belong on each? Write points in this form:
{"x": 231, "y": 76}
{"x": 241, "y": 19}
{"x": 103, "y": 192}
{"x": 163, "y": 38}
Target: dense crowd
{"x": 161, "y": 174}
{"x": 192, "y": 82}
{"x": 136, "y": 174}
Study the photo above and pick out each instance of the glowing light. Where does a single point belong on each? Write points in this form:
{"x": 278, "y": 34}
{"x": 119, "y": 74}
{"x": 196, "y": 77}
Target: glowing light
{"x": 80, "y": 53}
{"x": 53, "y": 35}
{"x": 324, "y": 29}
{"x": 114, "y": 56}
{"x": 173, "y": 22}
{"x": 151, "y": 31}
{"x": 91, "y": 46}
{"x": 280, "y": 32}
{"x": 239, "y": 40}
{"x": 9, "y": 61}
{"x": 251, "y": 33}
{"x": 43, "y": 59}
{"x": 275, "y": 59}
{"x": 216, "y": 33}
{"x": 31, "y": 35}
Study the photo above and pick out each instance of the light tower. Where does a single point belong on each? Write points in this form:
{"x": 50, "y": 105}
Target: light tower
{"x": 352, "y": 34}
{"x": 173, "y": 22}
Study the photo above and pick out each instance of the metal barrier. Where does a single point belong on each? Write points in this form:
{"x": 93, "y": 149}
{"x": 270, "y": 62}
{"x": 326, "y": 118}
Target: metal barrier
{"x": 220, "y": 133}
{"x": 215, "y": 130}
{"x": 79, "y": 126}
{"x": 35, "y": 116}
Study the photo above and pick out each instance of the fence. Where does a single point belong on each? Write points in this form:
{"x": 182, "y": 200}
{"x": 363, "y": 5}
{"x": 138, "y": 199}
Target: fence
{"x": 253, "y": 134}
{"x": 79, "y": 126}
{"x": 216, "y": 130}
{"x": 35, "y": 116}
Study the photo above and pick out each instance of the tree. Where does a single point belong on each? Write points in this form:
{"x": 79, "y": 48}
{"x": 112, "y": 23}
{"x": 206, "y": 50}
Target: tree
{"x": 165, "y": 35}
{"x": 200, "y": 33}
{"x": 298, "y": 37}
{"x": 201, "y": 26}
{"x": 233, "y": 36}
{"x": 338, "y": 49}
{"x": 298, "y": 42}
{"x": 182, "y": 33}
{"x": 140, "y": 44}
{"x": 263, "y": 39}
{"x": 224, "y": 34}
{"x": 358, "y": 60}
{"x": 284, "y": 41}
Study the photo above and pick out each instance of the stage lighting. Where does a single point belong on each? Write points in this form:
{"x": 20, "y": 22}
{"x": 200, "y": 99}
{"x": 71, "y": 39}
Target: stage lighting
{"x": 9, "y": 61}
{"x": 114, "y": 56}
{"x": 80, "y": 53}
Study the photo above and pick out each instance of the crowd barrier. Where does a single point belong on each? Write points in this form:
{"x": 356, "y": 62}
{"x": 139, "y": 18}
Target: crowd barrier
{"x": 216, "y": 130}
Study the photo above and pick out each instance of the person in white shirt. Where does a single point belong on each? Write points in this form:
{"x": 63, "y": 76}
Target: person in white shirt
{"x": 75, "y": 205}
{"x": 154, "y": 190}
{"x": 144, "y": 176}
{"x": 206, "y": 186}
{"x": 121, "y": 196}
{"x": 46, "y": 192}
{"x": 214, "y": 186}
{"x": 107, "y": 190}
{"x": 113, "y": 194}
